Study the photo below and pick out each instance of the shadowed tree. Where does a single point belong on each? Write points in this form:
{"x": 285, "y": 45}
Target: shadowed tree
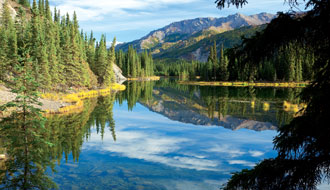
{"x": 303, "y": 146}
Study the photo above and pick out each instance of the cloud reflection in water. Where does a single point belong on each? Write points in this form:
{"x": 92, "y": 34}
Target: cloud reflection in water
{"x": 147, "y": 136}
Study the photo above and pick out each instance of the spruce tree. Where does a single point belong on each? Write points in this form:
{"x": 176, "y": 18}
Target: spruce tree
{"x": 5, "y": 27}
{"x": 24, "y": 133}
{"x": 215, "y": 60}
{"x": 101, "y": 60}
{"x": 291, "y": 70}
{"x": 224, "y": 75}
{"x": 9, "y": 37}
{"x": 48, "y": 13}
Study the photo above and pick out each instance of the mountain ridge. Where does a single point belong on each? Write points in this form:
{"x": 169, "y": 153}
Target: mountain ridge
{"x": 193, "y": 30}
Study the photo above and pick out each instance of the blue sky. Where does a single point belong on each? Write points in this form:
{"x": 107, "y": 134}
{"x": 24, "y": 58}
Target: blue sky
{"x": 132, "y": 19}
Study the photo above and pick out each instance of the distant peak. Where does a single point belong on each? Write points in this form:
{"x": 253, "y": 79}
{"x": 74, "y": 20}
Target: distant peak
{"x": 238, "y": 14}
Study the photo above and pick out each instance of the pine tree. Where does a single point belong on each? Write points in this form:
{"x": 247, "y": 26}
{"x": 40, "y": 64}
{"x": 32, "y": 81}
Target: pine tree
{"x": 24, "y": 133}
{"x": 5, "y": 27}
{"x": 211, "y": 56}
{"x": 109, "y": 77}
{"x": 299, "y": 69}
{"x": 120, "y": 59}
{"x": 3, "y": 54}
{"x": 48, "y": 13}
{"x": 39, "y": 48}
{"x": 224, "y": 75}
{"x": 101, "y": 60}
{"x": 9, "y": 37}
{"x": 91, "y": 51}
{"x": 215, "y": 60}
{"x": 151, "y": 65}
{"x": 291, "y": 76}
{"x": 62, "y": 55}
{"x": 41, "y": 7}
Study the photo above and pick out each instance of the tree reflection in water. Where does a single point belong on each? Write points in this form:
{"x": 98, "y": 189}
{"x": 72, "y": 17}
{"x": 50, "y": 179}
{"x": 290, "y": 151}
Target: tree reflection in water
{"x": 30, "y": 151}
{"x": 33, "y": 152}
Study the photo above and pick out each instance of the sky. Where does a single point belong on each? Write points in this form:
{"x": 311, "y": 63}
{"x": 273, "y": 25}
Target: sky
{"x": 128, "y": 20}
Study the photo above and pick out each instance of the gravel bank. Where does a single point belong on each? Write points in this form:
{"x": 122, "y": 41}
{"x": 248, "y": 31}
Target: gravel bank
{"x": 7, "y": 96}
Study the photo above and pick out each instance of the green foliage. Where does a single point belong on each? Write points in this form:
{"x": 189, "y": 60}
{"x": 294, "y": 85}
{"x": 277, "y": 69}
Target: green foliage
{"x": 8, "y": 42}
{"x": 290, "y": 62}
{"x": 179, "y": 68}
{"x": 303, "y": 145}
{"x": 135, "y": 65}
{"x": 23, "y": 132}
{"x": 62, "y": 56}
{"x": 101, "y": 60}
{"x": 25, "y": 3}
{"x": 213, "y": 69}
{"x": 136, "y": 91}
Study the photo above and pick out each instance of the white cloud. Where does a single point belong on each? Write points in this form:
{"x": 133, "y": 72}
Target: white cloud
{"x": 242, "y": 162}
{"x": 154, "y": 138}
{"x": 227, "y": 150}
{"x": 152, "y": 147}
{"x": 256, "y": 153}
{"x": 194, "y": 155}
{"x": 96, "y": 10}
{"x": 131, "y": 19}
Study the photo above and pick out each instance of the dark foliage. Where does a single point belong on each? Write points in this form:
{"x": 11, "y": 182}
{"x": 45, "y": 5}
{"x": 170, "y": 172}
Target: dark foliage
{"x": 303, "y": 146}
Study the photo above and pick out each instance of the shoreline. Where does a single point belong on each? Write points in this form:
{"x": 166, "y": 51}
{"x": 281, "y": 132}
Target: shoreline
{"x": 248, "y": 84}
{"x": 56, "y": 103}
{"x": 151, "y": 78}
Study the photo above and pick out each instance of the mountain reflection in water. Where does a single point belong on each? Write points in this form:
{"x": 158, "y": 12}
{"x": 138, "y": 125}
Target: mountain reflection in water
{"x": 154, "y": 135}
{"x": 230, "y": 107}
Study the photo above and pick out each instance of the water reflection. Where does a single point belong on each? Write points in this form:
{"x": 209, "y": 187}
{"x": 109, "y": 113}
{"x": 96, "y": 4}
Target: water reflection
{"x": 28, "y": 153}
{"x": 155, "y": 135}
{"x": 25, "y": 149}
{"x": 153, "y": 152}
{"x": 229, "y": 107}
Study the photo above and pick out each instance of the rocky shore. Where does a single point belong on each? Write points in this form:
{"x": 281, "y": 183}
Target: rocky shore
{"x": 7, "y": 96}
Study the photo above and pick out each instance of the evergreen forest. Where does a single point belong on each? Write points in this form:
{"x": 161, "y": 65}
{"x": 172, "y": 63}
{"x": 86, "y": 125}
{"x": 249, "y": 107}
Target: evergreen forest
{"x": 161, "y": 125}
{"x": 135, "y": 65}
{"x": 62, "y": 55}
{"x": 292, "y": 62}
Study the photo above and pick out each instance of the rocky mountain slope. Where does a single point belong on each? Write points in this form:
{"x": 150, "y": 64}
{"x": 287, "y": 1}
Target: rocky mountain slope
{"x": 189, "y": 32}
{"x": 12, "y": 6}
{"x": 199, "y": 50}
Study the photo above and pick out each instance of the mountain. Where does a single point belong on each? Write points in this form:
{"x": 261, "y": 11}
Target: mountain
{"x": 190, "y": 108}
{"x": 199, "y": 50}
{"x": 187, "y": 33}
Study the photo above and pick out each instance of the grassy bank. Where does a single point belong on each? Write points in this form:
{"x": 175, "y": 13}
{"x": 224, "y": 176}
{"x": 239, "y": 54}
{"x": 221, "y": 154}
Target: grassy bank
{"x": 76, "y": 99}
{"x": 152, "y": 78}
{"x": 246, "y": 84}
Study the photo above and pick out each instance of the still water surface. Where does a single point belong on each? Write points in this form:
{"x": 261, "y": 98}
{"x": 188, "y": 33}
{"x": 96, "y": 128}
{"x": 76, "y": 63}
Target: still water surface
{"x": 161, "y": 135}
{"x": 153, "y": 152}
{"x": 165, "y": 136}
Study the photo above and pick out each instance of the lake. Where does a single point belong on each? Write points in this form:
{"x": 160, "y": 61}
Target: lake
{"x": 162, "y": 135}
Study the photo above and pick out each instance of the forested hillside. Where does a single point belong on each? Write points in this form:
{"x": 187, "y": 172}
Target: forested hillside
{"x": 292, "y": 62}
{"x": 60, "y": 55}
{"x": 190, "y": 36}
{"x": 199, "y": 49}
